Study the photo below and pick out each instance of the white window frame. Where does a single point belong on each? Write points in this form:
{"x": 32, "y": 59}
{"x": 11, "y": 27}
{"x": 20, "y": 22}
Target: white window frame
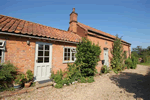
{"x": 2, "y": 48}
{"x": 71, "y": 61}
{"x": 3, "y": 42}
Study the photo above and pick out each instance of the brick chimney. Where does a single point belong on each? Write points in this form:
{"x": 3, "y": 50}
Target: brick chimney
{"x": 73, "y": 21}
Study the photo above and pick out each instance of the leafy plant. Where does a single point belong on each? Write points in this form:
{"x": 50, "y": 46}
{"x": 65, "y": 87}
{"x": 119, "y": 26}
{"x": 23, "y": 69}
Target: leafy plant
{"x": 8, "y": 73}
{"x": 128, "y": 63}
{"x": 82, "y": 80}
{"x": 118, "y": 58}
{"x": 58, "y": 86}
{"x": 88, "y": 57}
{"x": 105, "y": 69}
{"x": 29, "y": 75}
{"x": 134, "y": 61}
{"x": 19, "y": 79}
{"x": 90, "y": 79}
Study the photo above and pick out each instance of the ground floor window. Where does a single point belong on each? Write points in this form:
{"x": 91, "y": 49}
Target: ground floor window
{"x": 2, "y": 50}
{"x": 69, "y": 54}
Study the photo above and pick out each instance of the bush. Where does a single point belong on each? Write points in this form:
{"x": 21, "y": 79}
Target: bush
{"x": 82, "y": 80}
{"x": 29, "y": 75}
{"x": 128, "y": 63}
{"x": 73, "y": 73}
{"x": 19, "y": 78}
{"x": 117, "y": 61}
{"x": 105, "y": 69}
{"x": 90, "y": 79}
{"x": 134, "y": 61}
{"x": 88, "y": 57}
{"x": 7, "y": 75}
{"x": 58, "y": 86}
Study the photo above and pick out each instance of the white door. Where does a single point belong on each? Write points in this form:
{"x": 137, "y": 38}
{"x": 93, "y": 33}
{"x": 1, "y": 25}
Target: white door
{"x": 106, "y": 57}
{"x": 43, "y": 59}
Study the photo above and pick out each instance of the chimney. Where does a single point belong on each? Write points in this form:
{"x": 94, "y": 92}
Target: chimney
{"x": 73, "y": 21}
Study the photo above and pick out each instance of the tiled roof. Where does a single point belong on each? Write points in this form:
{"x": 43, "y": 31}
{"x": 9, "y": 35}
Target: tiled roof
{"x": 14, "y": 25}
{"x": 98, "y": 31}
{"x": 95, "y": 30}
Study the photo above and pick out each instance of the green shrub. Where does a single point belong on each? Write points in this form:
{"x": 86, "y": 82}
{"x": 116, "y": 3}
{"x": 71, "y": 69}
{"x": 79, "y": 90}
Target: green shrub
{"x": 29, "y": 75}
{"x": 7, "y": 75}
{"x": 19, "y": 78}
{"x": 58, "y": 86}
{"x": 128, "y": 63}
{"x": 82, "y": 80}
{"x": 73, "y": 73}
{"x": 105, "y": 69}
{"x": 90, "y": 79}
{"x": 117, "y": 61}
{"x": 134, "y": 61}
{"x": 87, "y": 57}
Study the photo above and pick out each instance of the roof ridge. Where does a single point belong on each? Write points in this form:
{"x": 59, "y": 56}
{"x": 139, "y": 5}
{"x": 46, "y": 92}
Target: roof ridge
{"x": 95, "y": 28}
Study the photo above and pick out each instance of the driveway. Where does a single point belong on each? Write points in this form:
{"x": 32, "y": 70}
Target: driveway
{"x": 132, "y": 84}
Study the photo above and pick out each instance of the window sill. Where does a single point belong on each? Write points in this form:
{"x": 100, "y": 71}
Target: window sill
{"x": 68, "y": 62}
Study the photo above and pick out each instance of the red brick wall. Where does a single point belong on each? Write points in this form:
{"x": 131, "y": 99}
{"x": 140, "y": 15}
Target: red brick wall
{"x": 23, "y": 55}
{"x": 102, "y": 44}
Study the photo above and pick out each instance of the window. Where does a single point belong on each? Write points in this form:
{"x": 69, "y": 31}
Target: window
{"x": 69, "y": 54}
{"x": 2, "y": 49}
{"x": 43, "y": 53}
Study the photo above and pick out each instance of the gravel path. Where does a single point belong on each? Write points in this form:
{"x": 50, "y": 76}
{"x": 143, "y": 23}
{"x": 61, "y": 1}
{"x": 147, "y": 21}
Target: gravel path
{"x": 128, "y": 85}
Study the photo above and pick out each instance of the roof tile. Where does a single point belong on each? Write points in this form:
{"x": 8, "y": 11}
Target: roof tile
{"x": 10, "y": 24}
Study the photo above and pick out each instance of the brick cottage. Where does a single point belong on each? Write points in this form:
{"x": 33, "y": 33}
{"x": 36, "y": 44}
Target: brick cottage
{"x": 44, "y": 49}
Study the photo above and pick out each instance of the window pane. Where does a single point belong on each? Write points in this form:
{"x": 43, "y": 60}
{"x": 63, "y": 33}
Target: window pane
{"x": 73, "y": 54}
{"x": 46, "y": 53}
{"x": 40, "y": 53}
{"x": 40, "y": 47}
{"x": 40, "y": 59}
{"x": 68, "y": 49}
{"x": 46, "y": 59}
{"x": 65, "y": 54}
{"x": 72, "y": 58}
{"x": 65, "y": 49}
{"x": 65, "y": 58}
{"x": 46, "y": 47}
{"x": 1, "y": 43}
{"x": 68, "y": 54}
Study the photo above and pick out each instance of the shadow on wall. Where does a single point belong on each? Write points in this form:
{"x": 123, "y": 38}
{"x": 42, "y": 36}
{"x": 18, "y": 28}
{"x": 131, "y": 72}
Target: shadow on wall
{"x": 134, "y": 83}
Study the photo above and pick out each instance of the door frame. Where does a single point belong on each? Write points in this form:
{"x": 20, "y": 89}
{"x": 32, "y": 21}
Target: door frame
{"x": 108, "y": 55}
{"x": 36, "y": 55}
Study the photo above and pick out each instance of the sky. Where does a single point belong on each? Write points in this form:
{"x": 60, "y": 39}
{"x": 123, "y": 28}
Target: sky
{"x": 130, "y": 19}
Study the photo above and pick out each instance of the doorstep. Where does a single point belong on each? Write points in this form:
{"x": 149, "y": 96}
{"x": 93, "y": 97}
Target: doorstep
{"x": 44, "y": 83}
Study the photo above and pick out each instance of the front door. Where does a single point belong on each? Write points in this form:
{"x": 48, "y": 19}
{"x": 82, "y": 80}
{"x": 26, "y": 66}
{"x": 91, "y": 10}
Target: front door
{"x": 43, "y": 56}
{"x": 106, "y": 57}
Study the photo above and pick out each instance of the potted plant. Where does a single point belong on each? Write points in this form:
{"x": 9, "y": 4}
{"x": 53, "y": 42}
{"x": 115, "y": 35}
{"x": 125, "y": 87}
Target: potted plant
{"x": 18, "y": 81}
{"x": 28, "y": 79}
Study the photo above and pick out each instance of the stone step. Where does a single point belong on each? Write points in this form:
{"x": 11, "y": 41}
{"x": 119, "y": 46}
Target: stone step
{"x": 43, "y": 84}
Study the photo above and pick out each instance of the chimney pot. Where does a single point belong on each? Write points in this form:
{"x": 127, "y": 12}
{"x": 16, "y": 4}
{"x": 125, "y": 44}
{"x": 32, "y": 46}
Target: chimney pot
{"x": 73, "y": 9}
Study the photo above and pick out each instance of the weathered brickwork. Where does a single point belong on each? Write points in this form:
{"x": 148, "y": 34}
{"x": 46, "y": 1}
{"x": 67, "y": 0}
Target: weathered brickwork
{"x": 23, "y": 55}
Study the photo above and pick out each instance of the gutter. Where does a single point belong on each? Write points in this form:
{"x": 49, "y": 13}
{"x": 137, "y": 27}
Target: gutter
{"x": 37, "y": 37}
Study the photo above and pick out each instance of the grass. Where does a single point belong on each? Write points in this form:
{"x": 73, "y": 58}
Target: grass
{"x": 146, "y": 64}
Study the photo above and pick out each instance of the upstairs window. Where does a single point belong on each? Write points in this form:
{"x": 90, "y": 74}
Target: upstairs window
{"x": 2, "y": 50}
{"x": 69, "y": 54}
